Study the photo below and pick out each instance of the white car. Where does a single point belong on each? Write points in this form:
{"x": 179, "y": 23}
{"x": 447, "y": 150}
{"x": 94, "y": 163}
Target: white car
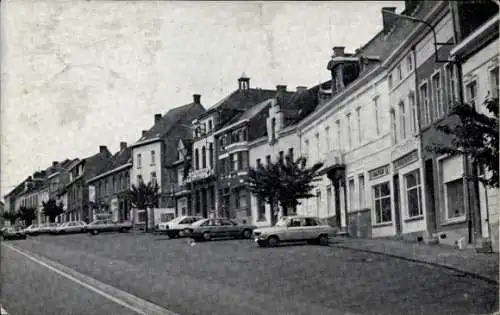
{"x": 71, "y": 227}
{"x": 32, "y": 229}
{"x": 47, "y": 228}
{"x": 294, "y": 229}
{"x": 177, "y": 227}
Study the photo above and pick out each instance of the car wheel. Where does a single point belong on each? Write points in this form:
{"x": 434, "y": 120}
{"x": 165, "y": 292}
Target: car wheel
{"x": 188, "y": 231}
{"x": 323, "y": 240}
{"x": 95, "y": 232}
{"x": 123, "y": 230}
{"x": 273, "y": 240}
{"x": 206, "y": 236}
{"x": 247, "y": 234}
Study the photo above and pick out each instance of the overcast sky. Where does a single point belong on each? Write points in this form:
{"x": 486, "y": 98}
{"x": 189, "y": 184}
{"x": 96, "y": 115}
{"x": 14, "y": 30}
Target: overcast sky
{"x": 79, "y": 74}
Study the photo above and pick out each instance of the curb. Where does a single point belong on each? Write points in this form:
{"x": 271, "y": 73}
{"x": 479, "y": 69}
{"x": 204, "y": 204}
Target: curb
{"x": 434, "y": 264}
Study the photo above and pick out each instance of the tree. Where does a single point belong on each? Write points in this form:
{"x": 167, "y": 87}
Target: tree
{"x": 475, "y": 136}
{"x": 52, "y": 209}
{"x": 144, "y": 196}
{"x": 283, "y": 183}
{"x": 11, "y": 216}
{"x": 27, "y": 214}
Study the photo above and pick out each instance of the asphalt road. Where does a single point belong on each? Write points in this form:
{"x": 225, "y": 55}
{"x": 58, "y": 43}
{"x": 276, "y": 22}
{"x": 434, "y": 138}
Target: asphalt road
{"x": 236, "y": 277}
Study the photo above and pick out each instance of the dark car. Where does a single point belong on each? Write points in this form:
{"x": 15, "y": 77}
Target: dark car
{"x": 208, "y": 229}
{"x": 14, "y": 233}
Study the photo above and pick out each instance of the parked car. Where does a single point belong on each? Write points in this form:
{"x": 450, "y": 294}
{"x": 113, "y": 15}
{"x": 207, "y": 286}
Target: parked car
{"x": 100, "y": 226}
{"x": 14, "y": 233}
{"x": 47, "y": 228}
{"x": 2, "y": 229}
{"x": 180, "y": 226}
{"x": 32, "y": 229}
{"x": 208, "y": 229}
{"x": 71, "y": 227}
{"x": 294, "y": 229}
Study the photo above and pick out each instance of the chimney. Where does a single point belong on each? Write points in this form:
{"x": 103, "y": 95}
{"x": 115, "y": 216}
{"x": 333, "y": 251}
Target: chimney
{"x": 103, "y": 149}
{"x": 243, "y": 82}
{"x": 388, "y": 19}
{"x": 157, "y": 118}
{"x": 280, "y": 93}
{"x": 123, "y": 145}
{"x": 196, "y": 98}
{"x": 144, "y": 132}
{"x": 55, "y": 163}
{"x": 301, "y": 88}
{"x": 338, "y": 51}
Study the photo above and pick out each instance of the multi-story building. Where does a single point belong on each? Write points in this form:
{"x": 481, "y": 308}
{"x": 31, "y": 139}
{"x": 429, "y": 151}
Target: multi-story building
{"x": 277, "y": 136}
{"x": 155, "y": 153}
{"x": 476, "y": 57}
{"x": 205, "y": 196}
{"x": 106, "y": 190}
{"x": 182, "y": 165}
{"x": 79, "y": 206}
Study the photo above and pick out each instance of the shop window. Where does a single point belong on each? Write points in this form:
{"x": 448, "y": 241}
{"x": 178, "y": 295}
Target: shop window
{"x": 382, "y": 203}
{"x": 453, "y": 187}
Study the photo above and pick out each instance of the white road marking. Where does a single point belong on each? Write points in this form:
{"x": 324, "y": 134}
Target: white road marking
{"x": 124, "y": 299}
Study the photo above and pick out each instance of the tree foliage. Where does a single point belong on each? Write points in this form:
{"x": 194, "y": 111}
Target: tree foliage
{"x": 52, "y": 209}
{"x": 283, "y": 182}
{"x": 144, "y": 196}
{"x": 476, "y": 135}
{"x": 10, "y": 216}
{"x": 27, "y": 214}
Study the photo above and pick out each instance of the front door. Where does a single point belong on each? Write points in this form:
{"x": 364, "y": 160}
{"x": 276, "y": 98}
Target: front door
{"x": 397, "y": 207}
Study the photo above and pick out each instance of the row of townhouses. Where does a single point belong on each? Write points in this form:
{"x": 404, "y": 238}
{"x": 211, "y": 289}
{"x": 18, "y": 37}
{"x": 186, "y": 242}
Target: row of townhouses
{"x": 370, "y": 124}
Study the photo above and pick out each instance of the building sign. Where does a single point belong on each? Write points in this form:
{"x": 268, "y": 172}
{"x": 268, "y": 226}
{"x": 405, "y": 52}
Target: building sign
{"x": 379, "y": 172}
{"x": 92, "y": 193}
{"x": 406, "y": 160}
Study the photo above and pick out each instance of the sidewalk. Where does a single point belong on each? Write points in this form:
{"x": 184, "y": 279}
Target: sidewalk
{"x": 468, "y": 261}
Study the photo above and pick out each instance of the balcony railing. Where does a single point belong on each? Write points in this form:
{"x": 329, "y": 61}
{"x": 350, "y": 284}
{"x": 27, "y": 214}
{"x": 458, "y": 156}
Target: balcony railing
{"x": 201, "y": 173}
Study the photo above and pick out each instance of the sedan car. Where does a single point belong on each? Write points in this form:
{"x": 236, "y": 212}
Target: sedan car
{"x": 14, "y": 233}
{"x": 99, "y": 226}
{"x": 71, "y": 227}
{"x": 47, "y": 228}
{"x": 33, "y": 229}
{"x": 294, "y": 229}
{"x": 207, "y": 229}
{"x": 177, "y": 227}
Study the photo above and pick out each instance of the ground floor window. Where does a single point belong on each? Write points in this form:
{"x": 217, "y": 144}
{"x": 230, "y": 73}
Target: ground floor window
{"x": 414, "y": 194}
{"x": 451, "y": 173}
{"x": 261, "y": 210}
{"x": 382, "y": 203}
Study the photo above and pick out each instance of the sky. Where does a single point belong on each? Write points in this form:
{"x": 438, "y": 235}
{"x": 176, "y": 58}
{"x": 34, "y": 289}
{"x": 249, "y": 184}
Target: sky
{"x": 79, "y": 74}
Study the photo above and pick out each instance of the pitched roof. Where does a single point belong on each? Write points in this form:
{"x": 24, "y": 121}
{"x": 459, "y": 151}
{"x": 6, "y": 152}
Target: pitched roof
{"x": 243, "y": 99}
{"x": 251, "y": 112}
{"x": 170, "y": 120}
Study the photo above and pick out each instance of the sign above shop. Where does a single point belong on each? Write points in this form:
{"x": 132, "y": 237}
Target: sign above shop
{"x": 379, "y": 172}
{"x": 406, "y": 160}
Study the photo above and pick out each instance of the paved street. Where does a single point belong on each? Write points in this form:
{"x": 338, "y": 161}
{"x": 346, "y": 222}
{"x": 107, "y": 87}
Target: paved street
{"x": 232, "y": 277}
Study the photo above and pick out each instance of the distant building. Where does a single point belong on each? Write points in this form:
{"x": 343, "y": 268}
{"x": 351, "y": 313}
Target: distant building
{"x": 107, "y": 189}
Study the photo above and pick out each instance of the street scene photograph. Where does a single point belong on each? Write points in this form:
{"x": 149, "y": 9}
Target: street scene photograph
{"x": 249, "y": 157}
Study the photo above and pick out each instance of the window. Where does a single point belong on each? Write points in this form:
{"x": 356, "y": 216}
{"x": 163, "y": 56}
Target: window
{"x": 317, "y": 147}
{"x": 338, "y": 139}
{"x": 153, "y": 178}
{"x": 311, "y": 222}
{"x": 273, "y": 128}
{"x": 453, "y": 187}
{"x": 400, "y": 73}
{"x": 424, "y": 97}
{"x": 472, "y": 93}
{"x": 376, "y": 112}
{"x": 438, "y": 95}
{"x": 414, "y": 194}
{"x": 139, "y": 160}
{"x": 451, "y": 81}
{"x": 327, "y": 138}
{"x": 393, "y": 125}
{"x": 258, "y": 162}
{"x": 281, "y": 156}
{"x": 358, "y": 122}
{"x": 328, "y": 200}
{"x": 414, "y": 112}
{"x": 268, "y": 160}
{"x": 494, "y": 82}
{"x": 352, "y": 195}
{"x": 139, "y": 179}
{"x": 349, "y": 131}
{"x": 306, "y": 148}
{"x": 115, "y": 188}
{"x": 402, "y": 120}
{"x": 241, "y": 160}
{"x": 409, "y": 62}
{"x": 290, "y": 153}
{"x": 234, "y": 161}
{"x": 382, "y": 203}
{"x": 153, "y": 157}
{"x": 389, "y": 79}
{"x": 210, "y": 125}
{"x": 203, "y": 157}
{"x": 362, "y": 194}
{"x": 197, "y": 159}
{"x": 211, "y": 154}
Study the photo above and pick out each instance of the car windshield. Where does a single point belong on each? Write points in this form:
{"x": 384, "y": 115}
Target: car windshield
{"x": 282, "y": 222}
{"x": 199, "y": 222}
